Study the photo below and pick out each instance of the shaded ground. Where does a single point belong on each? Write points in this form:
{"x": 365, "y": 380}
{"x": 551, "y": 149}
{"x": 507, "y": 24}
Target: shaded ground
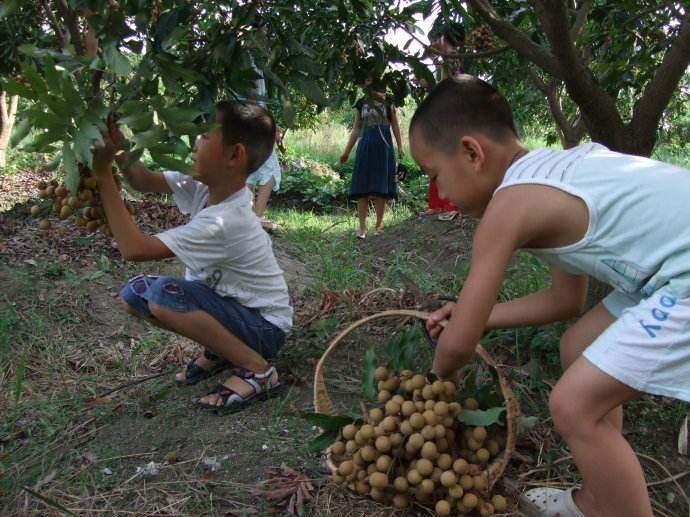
{"x": 144, "y": 449}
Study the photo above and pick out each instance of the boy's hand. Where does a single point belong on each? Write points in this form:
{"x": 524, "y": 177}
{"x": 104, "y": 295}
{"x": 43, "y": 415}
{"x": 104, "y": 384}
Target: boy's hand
{"x": 103, "y": 155}
{"x": 433, "y": 323}
{"x": 343, "y": 158}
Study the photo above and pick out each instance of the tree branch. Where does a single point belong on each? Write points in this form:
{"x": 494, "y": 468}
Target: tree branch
{"x": 516, "y": 39}
{"x": 568, "y": 131}
{"x": 72, "y": 24}
{"x": 52, "y": 20}
{"x": 650, "y": 108}
{"x": 435, "y": 51}
{"x": 597, "y": 107}
{"x": 580, "y": 19}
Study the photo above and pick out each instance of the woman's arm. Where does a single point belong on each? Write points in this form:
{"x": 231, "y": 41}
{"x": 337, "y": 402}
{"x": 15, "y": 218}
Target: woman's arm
{"x": 396, "y": 132}
{"x": 354, "y": 134}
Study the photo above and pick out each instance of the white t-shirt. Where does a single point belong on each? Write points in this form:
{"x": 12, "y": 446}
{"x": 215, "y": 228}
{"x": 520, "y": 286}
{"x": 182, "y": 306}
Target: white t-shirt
{"x": 224, "y": 246}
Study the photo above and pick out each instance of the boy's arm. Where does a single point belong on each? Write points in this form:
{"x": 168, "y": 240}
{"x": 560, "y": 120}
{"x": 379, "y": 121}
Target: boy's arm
{"x": 141, "y": 178}
{"x": 354, "y": 134}
{"x": 138, "y": 176}
{"x": 564, "y": 299}
{"x": 133, "y": 244}
{"x": 516, "y": 222}
{"x": 490, "y": 257}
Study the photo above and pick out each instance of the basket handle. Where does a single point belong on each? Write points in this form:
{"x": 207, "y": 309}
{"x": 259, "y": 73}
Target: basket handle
{"x": 323, "y": 403}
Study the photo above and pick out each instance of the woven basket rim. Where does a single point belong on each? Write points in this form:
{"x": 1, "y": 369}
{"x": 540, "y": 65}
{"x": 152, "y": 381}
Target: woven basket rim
{"x": 323, "y": 404}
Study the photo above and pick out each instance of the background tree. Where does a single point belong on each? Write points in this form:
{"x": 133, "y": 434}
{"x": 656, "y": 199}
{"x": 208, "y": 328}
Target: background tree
{"x": 620, "y": 61}
{"x": 161, "y": 66}
{"x": 14, "y": 31}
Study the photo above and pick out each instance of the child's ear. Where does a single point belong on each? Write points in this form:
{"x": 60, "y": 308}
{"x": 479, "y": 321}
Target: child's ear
{"x": 473, "y": 151}
{"x": 236, "y": 155}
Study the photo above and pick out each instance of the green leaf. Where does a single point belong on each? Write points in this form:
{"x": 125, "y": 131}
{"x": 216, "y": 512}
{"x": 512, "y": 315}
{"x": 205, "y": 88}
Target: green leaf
{"x": 115, "y": 61}
{"x": 51, "y": 75}
{"x": 175, "y": 114}
{"x": 37, "y": 83}
{"x": 13, "y": 87}
{"x": 526, "y": 423}
{"x": 369, "y": 374}
{"x": 173, "y": 164}
{"x": 311, "y": 90}
{"x": 83, "y": 142}
{"x": 71, "y": 169}
{"x": 20, "y": 131}
{"x": 8, "y": 7}
{"x": 323, "y": 441}
{"x": 482, "y": 418}
{"x": 328, "y": 422}
{"x": 132, "y": 107}
{"x": 42, "y": 140}
{"x": 289, "y": 113}
{"x": 138, "y": 122}
{"x": 149, "y": 138}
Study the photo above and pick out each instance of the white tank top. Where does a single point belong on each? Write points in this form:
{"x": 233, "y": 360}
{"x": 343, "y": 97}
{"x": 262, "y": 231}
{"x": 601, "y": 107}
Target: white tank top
{"x": 638, "y": 238}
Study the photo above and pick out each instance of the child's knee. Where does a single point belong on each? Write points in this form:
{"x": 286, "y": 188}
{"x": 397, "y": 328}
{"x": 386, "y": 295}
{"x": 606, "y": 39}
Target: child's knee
{"x": 568, "y": 416}
{"x": 169, "y": 293}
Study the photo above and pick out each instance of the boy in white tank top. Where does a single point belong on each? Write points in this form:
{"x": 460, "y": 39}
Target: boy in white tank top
{"x": 586, "y": 212}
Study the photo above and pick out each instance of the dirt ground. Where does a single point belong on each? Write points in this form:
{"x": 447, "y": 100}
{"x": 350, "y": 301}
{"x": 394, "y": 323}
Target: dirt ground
{"x": 97, "y": 426}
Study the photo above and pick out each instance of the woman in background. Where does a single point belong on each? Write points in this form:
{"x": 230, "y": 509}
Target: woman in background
{"x": 373, "y": 175}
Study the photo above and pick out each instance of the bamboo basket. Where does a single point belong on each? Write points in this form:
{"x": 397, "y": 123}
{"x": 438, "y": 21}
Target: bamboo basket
{"x": 323, "y": 403}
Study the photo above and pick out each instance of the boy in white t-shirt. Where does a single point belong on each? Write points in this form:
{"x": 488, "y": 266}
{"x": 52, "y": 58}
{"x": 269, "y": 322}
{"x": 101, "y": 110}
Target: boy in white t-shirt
{"x": 586, "y": 211}
{"x": 233, "y": 300}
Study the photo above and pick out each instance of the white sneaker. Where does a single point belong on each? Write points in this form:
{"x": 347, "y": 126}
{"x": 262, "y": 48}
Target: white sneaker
{"x": 549, "y": 502}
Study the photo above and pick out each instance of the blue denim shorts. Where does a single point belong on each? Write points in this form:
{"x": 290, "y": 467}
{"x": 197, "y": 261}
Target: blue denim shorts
{"x": 179, "y": 295}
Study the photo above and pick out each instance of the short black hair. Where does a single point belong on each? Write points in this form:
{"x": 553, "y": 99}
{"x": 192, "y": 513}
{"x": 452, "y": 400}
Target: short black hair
{"x": 457, "y": 106}
{"x": 249, "y": 124}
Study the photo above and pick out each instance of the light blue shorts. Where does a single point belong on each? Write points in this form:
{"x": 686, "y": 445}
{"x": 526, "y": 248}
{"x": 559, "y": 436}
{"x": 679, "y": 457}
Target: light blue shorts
{"x": 269, "y": 169}
{"x": 648, "y": 346}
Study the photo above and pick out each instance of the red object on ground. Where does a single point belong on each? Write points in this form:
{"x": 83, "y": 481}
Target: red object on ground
{"x": 436, "y": 203}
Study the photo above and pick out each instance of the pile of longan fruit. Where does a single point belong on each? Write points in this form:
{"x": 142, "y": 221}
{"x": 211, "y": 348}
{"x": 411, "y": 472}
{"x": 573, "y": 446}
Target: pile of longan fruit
{"x": 85, "y": 205}
{"x": 413, "y": 449}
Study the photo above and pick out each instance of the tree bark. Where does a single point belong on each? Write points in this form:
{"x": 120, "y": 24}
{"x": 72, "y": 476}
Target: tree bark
{"x": 598, "y": 109}
{"x": 8, "y": 112}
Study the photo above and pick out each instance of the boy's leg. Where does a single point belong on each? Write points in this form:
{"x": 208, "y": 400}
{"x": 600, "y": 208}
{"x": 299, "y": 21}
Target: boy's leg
{"x": 613, "y": 480}
{"x": 582, "y": 334}
{"x": 362, "y": 212}
{"x": 135, "y": 304}
{"x": 263, "y": 195}
{"x": 380, "y": 205}
{"x": 208, "y": 331}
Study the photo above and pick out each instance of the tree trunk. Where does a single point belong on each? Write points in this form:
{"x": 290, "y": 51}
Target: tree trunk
{"x": 8, "y": 112}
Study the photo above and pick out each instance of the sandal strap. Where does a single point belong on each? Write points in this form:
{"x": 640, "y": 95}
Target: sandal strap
{"x": 211, "y": 356}
{"x": 258, "y": 381}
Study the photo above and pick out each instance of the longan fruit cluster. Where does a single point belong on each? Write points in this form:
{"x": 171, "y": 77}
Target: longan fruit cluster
{"x": 85, "y": 206}
{"x": 482, "y": 38}
{"x": 413, "y": 449}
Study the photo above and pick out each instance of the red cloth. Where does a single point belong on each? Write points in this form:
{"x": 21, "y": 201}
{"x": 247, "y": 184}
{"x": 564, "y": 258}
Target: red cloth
{"x": 436, "y": 203}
